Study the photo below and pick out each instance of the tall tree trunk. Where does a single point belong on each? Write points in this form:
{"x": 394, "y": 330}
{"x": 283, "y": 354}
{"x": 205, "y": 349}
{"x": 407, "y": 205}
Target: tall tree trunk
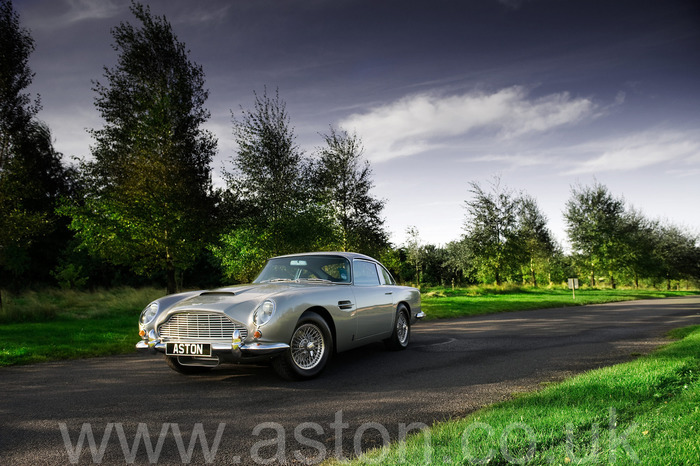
{"x": 592, "y": 278}
{"x": 172, "y": 285}
{"x": 534, "y": 276}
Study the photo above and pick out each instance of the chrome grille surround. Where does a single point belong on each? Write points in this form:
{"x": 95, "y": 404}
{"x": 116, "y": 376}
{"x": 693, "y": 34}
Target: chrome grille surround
{"x": 200, "y": 327}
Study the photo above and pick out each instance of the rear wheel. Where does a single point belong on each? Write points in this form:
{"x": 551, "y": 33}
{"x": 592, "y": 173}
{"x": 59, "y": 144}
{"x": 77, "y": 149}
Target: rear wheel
{"x": 175, "y": 365}
{"x": 402, "y": 331}
{"x": 309, "y": 349}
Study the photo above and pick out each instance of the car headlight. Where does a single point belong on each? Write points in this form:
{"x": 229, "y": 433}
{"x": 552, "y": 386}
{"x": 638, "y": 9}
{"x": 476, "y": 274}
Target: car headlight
{"x": 264, "y": 313}
{"x": 149, "y": 313}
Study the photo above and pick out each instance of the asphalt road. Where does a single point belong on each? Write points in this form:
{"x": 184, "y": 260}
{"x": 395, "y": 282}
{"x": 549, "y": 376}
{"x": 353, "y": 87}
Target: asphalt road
{"x": 246, "y": 415}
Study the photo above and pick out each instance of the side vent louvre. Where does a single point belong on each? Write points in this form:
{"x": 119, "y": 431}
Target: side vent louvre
{"x": 344, "y": 305}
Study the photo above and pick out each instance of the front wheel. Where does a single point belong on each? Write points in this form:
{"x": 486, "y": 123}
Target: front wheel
{"x": 402, "y": 331}
{"x": 309, "y": 349}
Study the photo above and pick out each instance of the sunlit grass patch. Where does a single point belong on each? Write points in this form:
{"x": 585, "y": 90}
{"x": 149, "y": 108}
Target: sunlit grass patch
{"x": 643, "y": 412}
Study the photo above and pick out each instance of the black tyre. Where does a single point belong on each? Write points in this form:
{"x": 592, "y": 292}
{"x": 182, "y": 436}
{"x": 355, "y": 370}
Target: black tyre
{"x": 309, "y": 350}
{"x": 186, "y": 370}
{"x": 402, "y": 331}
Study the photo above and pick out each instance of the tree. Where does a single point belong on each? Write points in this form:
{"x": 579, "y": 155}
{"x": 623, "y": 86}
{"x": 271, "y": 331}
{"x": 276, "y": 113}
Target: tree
{"x": 33, "y": 182}
{"x": 271, "y": 183}
{"x": 414, "y": 252}
{"x": 16, "y": 107}
{"x": 148, "y": 199}
{"x": 639, "y": 238}
{"x": 344, "y": 182}
{"x": 535, "y": 237}
{"x": 593, "y": 223}
{"x": 459, "y": 261}
{"x": 677, "y": 253}
{"x": 16, "y": 111}
{"x": 32, "y": 176}
{"x": 492, "y": 230}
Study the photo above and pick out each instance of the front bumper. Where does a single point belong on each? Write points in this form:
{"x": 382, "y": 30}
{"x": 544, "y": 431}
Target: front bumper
{"x": 236, "y": 351}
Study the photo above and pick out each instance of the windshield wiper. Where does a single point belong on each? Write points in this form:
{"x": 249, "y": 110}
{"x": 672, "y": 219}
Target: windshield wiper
{"x": 277, "y": 280}
{"x": 318, "y": 280}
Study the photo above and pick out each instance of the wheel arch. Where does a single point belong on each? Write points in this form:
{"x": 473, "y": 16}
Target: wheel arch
{"x": 325, "y": 315}
{"x": 406, "y": 305}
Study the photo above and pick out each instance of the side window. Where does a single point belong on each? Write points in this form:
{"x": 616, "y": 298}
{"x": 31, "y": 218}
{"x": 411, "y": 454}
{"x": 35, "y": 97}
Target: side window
{"x": 365, "y": 273}
{"x": 388, "y": 279}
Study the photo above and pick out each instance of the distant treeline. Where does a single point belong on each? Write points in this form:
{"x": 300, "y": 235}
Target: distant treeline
{"x": 507, "y": 240}
{"x": 142, "y": 209}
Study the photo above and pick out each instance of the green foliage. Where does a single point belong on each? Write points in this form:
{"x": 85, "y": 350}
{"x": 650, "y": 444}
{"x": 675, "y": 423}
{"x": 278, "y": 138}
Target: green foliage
{"x": 70, "y": 276}
{"x": 148, "y": 202}
{"x": 32, "y": 176}
{"x": 492, "y": 231}
{"x": 344, "y": 182}
{"x": 594, "y": 221}
{"x": 271, "y": 185}
{"x": 16, "y": 106}
{"x": 677, "y": 254}
{"x": 242, "y": 253}
{"x": 538, "y": 247}
{"x": 622, "y": 244}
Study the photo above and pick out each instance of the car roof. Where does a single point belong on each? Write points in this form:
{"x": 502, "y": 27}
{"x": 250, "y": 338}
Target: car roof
{"x": 347, "y": 255}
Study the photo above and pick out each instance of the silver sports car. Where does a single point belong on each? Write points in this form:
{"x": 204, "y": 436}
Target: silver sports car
{"x": 300, "y": 309}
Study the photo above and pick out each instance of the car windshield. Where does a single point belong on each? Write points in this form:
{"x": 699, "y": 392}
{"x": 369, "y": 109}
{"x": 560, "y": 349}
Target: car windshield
{"x": 334, "y": 269}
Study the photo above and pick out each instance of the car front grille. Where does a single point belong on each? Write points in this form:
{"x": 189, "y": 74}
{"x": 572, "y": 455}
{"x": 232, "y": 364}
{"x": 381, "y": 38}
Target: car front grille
{"x": 202, "y": 327}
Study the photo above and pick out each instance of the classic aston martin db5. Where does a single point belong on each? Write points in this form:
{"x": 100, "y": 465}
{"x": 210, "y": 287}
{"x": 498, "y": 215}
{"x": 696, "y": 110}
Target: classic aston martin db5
{"x": 299, "y": 310}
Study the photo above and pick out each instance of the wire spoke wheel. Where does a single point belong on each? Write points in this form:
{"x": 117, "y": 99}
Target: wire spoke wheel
{"x": 402, "y": 328}
{"x": 308, "y": 346}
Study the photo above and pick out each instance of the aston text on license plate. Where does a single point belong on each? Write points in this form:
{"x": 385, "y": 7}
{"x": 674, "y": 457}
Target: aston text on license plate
{"x": 188, "y": 349}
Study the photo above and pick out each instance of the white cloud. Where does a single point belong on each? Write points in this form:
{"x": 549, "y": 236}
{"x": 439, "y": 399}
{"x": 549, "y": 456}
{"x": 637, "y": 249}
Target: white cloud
{"x": 80, "y": 10}
{"x": 65, "y": 14}
{"x": 421, "y": 122}
{"x": 517, "y": 160}
{"x": 640, "y": 151}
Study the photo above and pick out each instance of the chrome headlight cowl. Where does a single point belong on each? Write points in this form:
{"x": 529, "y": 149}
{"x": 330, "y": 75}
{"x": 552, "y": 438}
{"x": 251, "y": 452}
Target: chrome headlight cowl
{"x": 264, "y": 313}
{"x": 148, "y": 314}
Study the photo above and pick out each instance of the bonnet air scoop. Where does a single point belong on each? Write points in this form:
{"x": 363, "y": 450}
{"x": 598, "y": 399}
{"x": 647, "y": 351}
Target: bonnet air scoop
{"x": 218, "y": 293}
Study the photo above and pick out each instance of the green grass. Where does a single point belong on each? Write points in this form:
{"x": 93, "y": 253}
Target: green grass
{"x": 55, "y": 324}
{"x": 642, "y": 412}
{"x": 440, "y": 303}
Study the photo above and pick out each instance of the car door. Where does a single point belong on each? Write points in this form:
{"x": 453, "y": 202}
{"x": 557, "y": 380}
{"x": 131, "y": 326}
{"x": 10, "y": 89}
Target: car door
{"x": 374, "y": 302}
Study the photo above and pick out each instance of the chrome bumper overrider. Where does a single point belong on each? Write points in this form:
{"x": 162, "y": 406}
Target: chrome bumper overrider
{"x": 236, "y": 348}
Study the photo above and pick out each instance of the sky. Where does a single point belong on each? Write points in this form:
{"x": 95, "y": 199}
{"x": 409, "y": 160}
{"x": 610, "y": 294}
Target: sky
{"x": 545, "y": 95}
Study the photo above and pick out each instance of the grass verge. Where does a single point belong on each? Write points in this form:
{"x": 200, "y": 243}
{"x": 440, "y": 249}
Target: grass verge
{"x": 643, "y": 412}
{"x": 75, "y": 324}
{"x": 440, "y": 303}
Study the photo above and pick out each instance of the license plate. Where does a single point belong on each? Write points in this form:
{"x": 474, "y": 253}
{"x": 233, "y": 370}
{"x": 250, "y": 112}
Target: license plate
{"x": 188, "y": 349}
